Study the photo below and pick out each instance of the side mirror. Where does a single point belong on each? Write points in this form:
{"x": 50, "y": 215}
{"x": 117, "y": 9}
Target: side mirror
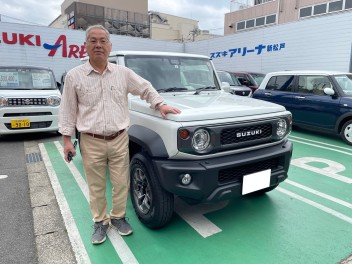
{"x": 226, "y": 87}
{"x": 329, "y": 91}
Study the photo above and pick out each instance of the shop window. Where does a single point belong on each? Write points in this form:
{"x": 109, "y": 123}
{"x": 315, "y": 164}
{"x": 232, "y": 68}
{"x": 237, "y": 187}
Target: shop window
{"x": 319, "y": 9}
{"x": 260, "y": 21}
{"x": 250, "y": 23}
{"x": 241, "y": 25}
{"x": 335, "y": 6}
{"x": 348, "y": 4}
{"x": 271, "y": 19}
{"x": 305, "y": 12}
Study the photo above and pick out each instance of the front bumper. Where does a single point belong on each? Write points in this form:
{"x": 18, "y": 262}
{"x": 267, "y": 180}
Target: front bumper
{"x": 221, "y": 178}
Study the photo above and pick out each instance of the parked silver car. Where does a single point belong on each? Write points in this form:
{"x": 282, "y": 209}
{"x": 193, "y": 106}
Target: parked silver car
{"x": 235, "y": 86}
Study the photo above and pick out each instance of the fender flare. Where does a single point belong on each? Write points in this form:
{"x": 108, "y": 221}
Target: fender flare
{"x": 149, "y": 140}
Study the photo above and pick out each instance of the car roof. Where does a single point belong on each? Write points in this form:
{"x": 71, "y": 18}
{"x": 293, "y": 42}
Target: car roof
{"x": 308, "y": 72}
{"x": 155, "y": 53}
{"x": 248, "y": 72}
{"x": 24, "y": 67}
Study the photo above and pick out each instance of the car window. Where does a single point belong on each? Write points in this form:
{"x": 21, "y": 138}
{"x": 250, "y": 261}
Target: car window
{"x": 229, "y": 78}
{"x": 173, "y": 72}
{"x": 225, "y": 77}
{"x": 258, "y": 78}
{"x": 313, "y": 84}
{"x": 280, "y": 83}
{"x": 26, "y": 79}
{"x": 345, "y": 82}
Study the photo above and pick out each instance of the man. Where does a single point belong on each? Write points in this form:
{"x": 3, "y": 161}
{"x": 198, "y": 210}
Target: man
{"x": 95, "y": 102}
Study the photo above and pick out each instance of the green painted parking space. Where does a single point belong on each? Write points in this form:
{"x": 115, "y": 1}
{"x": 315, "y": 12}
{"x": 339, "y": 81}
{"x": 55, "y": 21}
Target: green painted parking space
{"x": 307, "y": 219}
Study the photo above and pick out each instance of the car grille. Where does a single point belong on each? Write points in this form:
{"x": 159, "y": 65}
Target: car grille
{"x": 245, "y": 134}
{"x": 27, "y": 114}
{"x": 236, "y": 174}
{"x": 242, "y": 93}
{"x": 44, "y": 124}
{"x": 26, "y": 101}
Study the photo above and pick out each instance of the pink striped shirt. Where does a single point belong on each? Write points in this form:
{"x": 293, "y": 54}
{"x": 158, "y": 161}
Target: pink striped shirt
{"x": 98, "y": 103}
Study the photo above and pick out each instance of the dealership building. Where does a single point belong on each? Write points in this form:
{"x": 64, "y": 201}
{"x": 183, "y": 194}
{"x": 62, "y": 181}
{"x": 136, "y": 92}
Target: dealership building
{"x": 259, "y": 35}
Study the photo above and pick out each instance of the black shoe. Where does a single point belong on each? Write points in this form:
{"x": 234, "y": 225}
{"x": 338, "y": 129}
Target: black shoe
{"x": 122, "y": 226}
{"x": 99, "y": 233}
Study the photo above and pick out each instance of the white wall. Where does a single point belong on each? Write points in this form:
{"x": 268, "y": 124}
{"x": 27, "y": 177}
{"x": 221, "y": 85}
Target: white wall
{"x": 33, "y": 53}
{"x": 320, "y": 43}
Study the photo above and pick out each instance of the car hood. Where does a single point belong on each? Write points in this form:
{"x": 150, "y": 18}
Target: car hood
{"x": 17, "y": 93}
{"x": 208, "y": 106}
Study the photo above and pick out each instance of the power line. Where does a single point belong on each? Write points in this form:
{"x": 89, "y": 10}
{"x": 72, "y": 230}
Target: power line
{"x": 2, "y": 15}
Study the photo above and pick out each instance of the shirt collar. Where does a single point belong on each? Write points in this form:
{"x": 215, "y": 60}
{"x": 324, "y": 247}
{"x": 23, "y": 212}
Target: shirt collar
{"x": 88, "y": 68}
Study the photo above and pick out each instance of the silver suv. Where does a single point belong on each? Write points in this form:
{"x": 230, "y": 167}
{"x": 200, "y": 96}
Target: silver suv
{"x": 220, "y": 146}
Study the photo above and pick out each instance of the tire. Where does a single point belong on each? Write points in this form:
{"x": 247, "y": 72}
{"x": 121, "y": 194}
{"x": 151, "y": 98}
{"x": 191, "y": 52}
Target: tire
{"x": 346, "y": 132}
{"x": 152, "y": 204}
{"x": 263, "y": 191}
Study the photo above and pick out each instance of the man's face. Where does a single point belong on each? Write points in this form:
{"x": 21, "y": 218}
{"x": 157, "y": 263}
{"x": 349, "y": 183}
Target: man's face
{"x": 98, "y": 45}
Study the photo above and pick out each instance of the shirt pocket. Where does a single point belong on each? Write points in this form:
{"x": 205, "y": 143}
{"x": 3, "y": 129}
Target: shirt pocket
{"x": 88, "y": 95}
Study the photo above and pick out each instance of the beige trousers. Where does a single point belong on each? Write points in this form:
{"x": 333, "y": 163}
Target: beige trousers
{"x": 98, "y": 155}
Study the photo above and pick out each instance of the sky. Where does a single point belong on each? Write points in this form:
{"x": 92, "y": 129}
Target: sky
{"x": 209, "y": 13}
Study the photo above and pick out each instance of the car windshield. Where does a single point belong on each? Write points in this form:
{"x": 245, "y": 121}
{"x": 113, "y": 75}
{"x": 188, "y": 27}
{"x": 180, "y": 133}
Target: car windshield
{"x": 345, "y": 82}
{"x": 258, "y": 77}
{"x": 174, "y": 74}
{"x": 229, "y": 78}
{"x": 26, "y": 79}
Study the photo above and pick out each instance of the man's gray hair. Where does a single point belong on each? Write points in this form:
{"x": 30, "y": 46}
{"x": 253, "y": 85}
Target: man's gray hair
{"x": 95, "y": 27}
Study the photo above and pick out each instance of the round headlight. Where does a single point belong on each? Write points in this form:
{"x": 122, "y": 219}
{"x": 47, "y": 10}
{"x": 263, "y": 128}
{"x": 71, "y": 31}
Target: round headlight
{"x": 200, "y": 140}
{"x": 54, "y": 100}
{"x": 3, "y": 101}
{"x": 281, "y": 128}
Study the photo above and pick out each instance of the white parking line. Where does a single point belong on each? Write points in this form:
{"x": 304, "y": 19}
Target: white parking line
{"x": 194, "y": 216}
{"x": 72, "y": 230}
{"x": 319, "y": 142}
{"x": 117, "y": 241}
{"x": 3, "y": 177}
{"x": 316, "y": 205}
{"x": 328, "y": 197}
{"x": 323, "y": 147}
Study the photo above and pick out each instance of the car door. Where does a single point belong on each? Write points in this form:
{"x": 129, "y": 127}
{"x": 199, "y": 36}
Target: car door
{"x": 279, "y": 89}
{"x": 312, "y": 107}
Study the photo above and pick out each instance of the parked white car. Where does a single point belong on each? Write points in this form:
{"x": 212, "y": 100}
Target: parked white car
{"x": 29, "y": 100}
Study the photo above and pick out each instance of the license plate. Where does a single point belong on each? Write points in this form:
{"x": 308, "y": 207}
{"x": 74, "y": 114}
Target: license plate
{"x": 256, "y": 181}
{"x": 20, "y": 123}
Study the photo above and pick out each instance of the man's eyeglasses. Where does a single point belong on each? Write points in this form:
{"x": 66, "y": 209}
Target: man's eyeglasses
{"x": 102, "y": 41}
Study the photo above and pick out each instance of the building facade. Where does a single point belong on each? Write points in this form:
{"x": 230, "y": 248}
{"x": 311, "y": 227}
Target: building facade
{"x": 251, "y": 14}
{"x": 129, "y": 18}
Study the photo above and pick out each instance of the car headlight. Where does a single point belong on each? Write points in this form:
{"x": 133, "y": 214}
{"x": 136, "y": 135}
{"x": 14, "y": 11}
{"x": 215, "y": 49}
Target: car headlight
{"x": 200, "y": 140}
{"x": 3, "y": 101}
{"x": 281, "y": 128}
{"x": 54, "y": 100}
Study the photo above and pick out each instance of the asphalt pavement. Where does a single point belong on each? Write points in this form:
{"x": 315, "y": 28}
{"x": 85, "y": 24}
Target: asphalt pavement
{"x": 32, "y": 229}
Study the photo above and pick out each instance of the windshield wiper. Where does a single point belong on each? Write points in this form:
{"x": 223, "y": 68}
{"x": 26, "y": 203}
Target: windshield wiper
{"x": 199, "y": 90}
{"x": 173, "y": 89}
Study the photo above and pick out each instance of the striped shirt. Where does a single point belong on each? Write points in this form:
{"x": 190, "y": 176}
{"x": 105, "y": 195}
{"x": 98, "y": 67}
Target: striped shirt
{"x": 98, "y": 103}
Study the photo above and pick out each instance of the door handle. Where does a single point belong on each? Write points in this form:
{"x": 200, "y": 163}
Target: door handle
{"x": 300, "y": 97}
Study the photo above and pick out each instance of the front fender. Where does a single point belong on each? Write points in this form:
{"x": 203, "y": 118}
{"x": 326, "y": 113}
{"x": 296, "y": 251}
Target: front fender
{"x": 148, "y": 140}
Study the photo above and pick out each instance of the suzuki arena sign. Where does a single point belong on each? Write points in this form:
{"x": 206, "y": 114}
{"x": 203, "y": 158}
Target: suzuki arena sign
{"x": 61, "y": 43}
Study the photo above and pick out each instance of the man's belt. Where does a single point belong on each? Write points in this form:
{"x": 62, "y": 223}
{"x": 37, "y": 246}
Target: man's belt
{"x": 110, "y": 137}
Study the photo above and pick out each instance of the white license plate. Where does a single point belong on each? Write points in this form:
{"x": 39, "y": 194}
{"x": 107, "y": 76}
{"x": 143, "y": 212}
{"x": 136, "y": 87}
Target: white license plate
{"x": 256, "y": 181}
